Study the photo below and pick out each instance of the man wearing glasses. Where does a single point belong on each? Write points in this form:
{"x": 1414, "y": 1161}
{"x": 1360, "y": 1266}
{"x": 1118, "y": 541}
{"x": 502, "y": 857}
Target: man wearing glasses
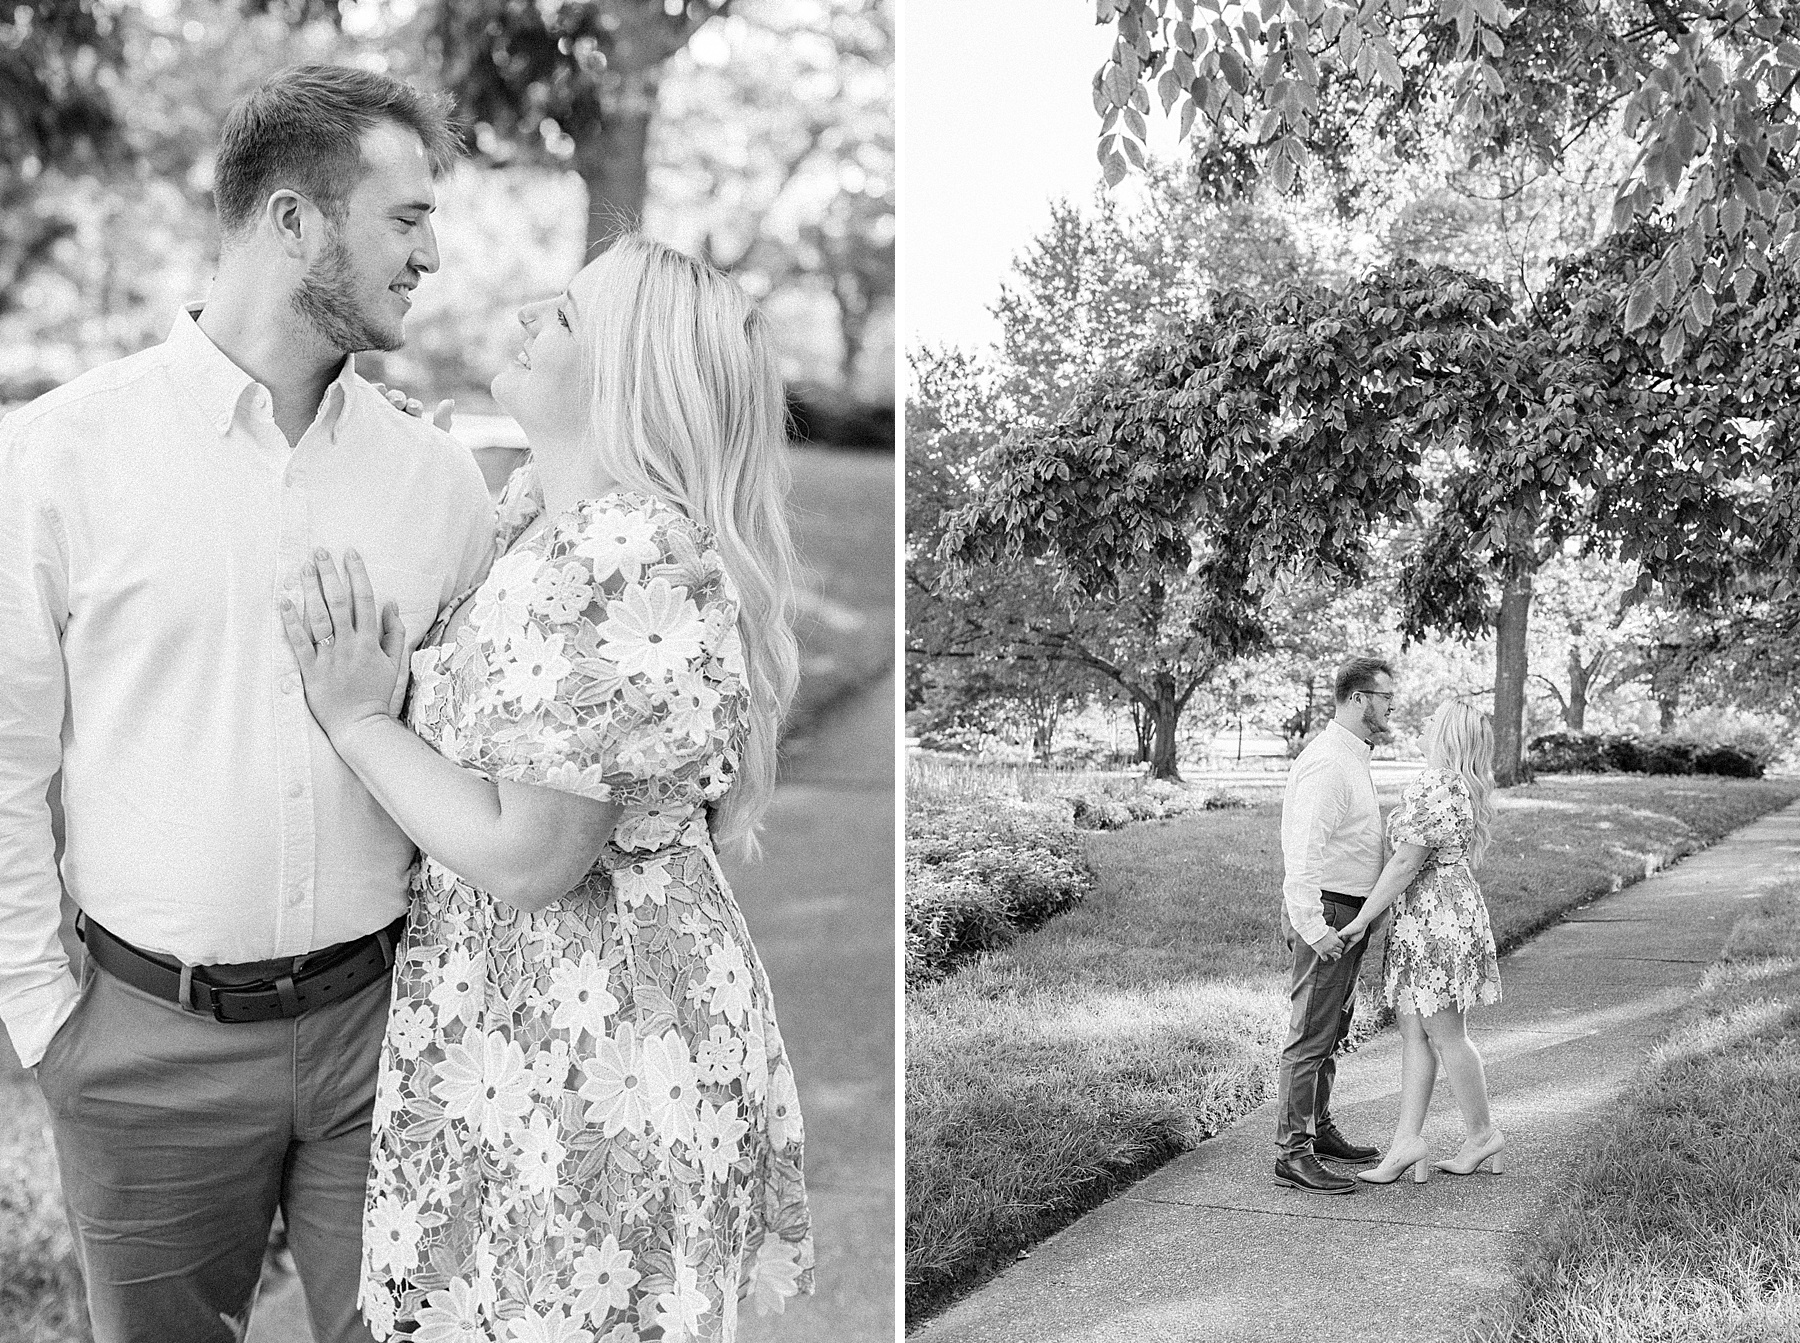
{"x": 1331, "y": 845}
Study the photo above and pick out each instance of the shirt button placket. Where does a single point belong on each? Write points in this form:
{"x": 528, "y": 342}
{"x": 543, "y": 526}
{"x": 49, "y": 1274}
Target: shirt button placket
{"x": 293, "y": 905}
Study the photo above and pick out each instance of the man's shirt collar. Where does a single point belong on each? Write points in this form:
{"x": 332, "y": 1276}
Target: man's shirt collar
{"x": 1348, "y": 739}
{"x": 219, "y": 386}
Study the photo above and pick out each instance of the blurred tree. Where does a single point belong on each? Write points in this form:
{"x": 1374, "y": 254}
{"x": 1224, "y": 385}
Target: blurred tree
{"x": 59, "y": 62}
{"x": 570, "y": 81}
{"x": 772, "y": 155}
{"x": 1710, "y": 92}
{"x": 59, "y": 65}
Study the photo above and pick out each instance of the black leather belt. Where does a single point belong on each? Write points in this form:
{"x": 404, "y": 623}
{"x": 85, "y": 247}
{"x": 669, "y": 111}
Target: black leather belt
{"x": 1337, "y": 898}
{"x": 264, "y": 990}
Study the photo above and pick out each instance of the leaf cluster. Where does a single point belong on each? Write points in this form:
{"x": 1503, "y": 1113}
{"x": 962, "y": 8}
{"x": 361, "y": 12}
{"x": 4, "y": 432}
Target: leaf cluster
{"x": 1710, "y": 93}
{"x": 1288, "y": 434}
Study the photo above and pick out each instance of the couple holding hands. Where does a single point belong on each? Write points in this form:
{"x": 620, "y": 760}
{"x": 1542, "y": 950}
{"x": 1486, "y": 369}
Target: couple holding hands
{"x": 1440, "y": 958}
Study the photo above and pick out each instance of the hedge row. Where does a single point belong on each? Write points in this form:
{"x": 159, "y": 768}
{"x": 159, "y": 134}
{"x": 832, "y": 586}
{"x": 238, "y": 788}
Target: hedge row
{"x": 977, "y": 876}
{"x": 1154, "y": 801}
{"x": 1601, "y": 753}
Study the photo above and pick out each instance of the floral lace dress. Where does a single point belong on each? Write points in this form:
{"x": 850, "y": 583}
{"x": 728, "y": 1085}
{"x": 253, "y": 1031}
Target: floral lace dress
{"x": 1440, "y": 950}
{"x": 586, "y": 1128}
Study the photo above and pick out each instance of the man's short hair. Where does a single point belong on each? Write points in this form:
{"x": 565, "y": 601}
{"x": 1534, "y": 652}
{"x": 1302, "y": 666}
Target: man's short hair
{"x": 302, "y": 129}
{"x": 1359, "y": 674}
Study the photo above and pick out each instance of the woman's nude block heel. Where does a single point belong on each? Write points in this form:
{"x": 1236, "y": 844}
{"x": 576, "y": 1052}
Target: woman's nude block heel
{"x": 1490, "y": 1159}
{"x": 1419, "y": 1166}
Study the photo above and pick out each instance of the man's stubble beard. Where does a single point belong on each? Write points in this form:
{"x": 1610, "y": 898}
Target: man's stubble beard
{"x": 326, "y": 301}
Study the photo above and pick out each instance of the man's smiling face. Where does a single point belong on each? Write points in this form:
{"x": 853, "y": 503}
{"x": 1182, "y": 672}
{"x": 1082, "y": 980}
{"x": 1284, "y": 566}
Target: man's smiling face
{"x": 359, "y": 289}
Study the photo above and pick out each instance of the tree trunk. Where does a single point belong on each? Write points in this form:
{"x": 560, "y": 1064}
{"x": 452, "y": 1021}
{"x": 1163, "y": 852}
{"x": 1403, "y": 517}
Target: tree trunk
{"x": 1043, "y": 728}
{"x": 1140, "y": 728}
{"x": 612, "y": 157}
{"x": 1575, "y": 712}
{"x": 1510, "y": 632}
{"x": 1668, "y": 703}
{"x": 1165, "y": 712}
{"x": 1665, "y": 684}
{"x": 853, "y": 322}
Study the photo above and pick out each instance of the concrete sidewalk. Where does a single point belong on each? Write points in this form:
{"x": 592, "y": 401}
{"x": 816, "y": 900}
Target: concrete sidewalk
{"x": 1209, "y": 1250}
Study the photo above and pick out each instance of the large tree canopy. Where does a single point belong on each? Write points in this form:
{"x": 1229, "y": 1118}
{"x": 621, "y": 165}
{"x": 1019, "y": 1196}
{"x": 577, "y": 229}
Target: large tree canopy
{"x": 1290, "y": 434}
{"x": 1709, "y": 91}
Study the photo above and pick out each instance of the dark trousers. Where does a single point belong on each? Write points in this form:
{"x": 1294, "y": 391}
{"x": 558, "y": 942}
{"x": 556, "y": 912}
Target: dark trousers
{"x": 1322, "y": 999}
{"x": 178, "y": 1136}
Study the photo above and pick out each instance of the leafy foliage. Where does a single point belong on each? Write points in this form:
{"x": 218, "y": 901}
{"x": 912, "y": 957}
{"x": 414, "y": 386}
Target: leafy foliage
{"x": 1257, "y": 441}
{"x": 978, "y": 876}
{"x": 1709, "y": 93}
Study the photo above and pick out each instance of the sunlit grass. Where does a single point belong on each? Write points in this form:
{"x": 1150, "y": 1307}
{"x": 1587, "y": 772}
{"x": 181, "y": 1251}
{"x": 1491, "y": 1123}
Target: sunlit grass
{"x": 40, "y": 1286}
{"x": 1046, "y": 1074}
{"x": 1683, "y": 1221}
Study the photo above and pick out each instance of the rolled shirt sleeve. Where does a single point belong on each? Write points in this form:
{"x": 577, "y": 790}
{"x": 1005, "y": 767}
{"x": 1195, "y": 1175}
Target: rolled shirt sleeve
{"x": 37, "y": 992}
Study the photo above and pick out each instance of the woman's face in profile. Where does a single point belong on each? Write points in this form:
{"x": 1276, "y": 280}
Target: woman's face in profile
{"x": 546, "y": 387}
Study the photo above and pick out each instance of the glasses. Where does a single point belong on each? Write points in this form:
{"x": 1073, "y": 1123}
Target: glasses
{"x": 1387, "y": 695}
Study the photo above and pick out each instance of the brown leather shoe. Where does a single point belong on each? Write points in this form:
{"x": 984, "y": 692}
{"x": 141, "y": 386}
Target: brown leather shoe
{"x": 1334, "y": 1146}
{"x": 1304, "y": 1171}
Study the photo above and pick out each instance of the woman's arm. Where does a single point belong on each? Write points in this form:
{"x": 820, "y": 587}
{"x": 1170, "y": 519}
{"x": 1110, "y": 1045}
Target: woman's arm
{"x": 521, "y": 843}
{"x": 1402, "y": 866}
{"x": 524, "y": 844}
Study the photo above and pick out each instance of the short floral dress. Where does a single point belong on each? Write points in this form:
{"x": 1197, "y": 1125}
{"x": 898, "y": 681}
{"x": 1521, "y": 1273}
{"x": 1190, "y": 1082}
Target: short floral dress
{"x": 1440, "y": 950}
{"x": 586, "y": 1128}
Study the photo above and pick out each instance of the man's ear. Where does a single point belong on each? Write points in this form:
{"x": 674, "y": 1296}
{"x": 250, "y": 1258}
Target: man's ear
{"x": 292, "y": 220}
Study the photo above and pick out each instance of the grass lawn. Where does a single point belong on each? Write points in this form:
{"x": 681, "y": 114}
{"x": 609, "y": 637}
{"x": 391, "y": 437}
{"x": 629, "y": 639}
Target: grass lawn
{"x": 1683, "y": 1221}
{"x": 40, "y": 1287}
{"x": 1043, "y": 1076}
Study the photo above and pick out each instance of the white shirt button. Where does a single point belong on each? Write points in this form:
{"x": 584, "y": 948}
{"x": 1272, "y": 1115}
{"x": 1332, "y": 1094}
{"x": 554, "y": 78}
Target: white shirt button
{"x": 296, "y": 789}
{"x": 290, "y": 683}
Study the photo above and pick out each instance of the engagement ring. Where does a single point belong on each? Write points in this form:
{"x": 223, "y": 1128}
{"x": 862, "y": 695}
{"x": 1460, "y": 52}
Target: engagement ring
{"x": 326, "y": 641}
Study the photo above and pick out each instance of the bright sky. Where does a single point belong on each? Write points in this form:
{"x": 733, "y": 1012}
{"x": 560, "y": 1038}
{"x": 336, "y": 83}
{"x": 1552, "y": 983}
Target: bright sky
{"x": 997, "y": 121}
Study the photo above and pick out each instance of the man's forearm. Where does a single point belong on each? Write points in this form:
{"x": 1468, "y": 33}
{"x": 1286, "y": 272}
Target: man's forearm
{"x": 1305, "y": 906}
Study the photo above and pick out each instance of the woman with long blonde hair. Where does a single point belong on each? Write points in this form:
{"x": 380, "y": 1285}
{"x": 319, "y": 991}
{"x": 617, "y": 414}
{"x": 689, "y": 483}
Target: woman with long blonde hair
{"x": 1440, "y": 957}
{"x": 586, "y": 1123}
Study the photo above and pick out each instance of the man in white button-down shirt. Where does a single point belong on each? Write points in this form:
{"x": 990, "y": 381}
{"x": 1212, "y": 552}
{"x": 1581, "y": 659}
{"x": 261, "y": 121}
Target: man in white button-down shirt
{"x": 1332, "y": 850}
{"x": 216, "y": 1056}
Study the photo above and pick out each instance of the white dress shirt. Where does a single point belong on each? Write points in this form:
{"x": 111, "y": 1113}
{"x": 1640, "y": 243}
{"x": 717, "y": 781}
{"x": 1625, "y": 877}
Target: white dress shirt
{"x": 150, "y": 512}
{"x": 1330, "y": 827}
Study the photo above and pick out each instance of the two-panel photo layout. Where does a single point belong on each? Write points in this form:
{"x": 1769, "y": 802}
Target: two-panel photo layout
{"x": 816, "y": 671}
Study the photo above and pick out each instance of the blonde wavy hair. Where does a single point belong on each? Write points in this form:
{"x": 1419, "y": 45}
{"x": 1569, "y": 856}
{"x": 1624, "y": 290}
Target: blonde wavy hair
{"x": 688, "y": 406}
{"x": 1460, "y": 738}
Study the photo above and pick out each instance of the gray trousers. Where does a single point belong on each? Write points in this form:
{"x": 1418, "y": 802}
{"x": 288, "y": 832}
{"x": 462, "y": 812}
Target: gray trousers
{"x": 1322, "y": 1000}
{"x": 178, "y": 1136}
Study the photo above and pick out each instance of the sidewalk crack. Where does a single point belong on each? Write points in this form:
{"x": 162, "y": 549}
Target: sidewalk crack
{"x": 1319, "y": 1217}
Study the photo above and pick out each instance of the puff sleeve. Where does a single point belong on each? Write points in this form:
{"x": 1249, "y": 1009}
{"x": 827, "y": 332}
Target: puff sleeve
{"x": 1434, "y": 811}
{"x": 613, "y": 664}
